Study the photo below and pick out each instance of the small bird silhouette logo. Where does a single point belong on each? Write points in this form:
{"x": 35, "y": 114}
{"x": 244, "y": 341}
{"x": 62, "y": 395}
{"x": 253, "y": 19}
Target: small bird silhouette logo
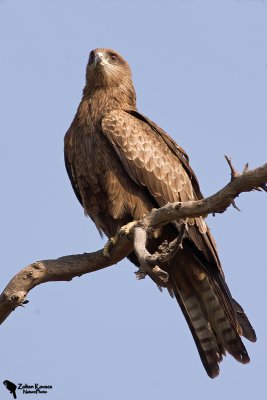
{"x": 11, "y": 387}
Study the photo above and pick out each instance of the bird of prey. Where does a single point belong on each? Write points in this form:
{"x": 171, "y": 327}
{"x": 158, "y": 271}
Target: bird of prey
{"x": 122, "y": 165}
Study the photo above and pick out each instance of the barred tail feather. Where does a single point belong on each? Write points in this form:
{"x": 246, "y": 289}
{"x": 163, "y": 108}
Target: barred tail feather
{"x": 207, "y": 317}
{"x": 226, "y": 333}
{"x": 206, "y": 342}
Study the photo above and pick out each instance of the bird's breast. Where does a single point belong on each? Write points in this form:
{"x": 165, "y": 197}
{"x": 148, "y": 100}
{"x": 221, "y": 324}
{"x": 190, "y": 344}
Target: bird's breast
{"x": 108, "y": 194}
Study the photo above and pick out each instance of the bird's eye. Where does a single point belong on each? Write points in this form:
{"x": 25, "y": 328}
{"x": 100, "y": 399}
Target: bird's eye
{"x": 91, "y": 57}
{"x": 113, "y": 57}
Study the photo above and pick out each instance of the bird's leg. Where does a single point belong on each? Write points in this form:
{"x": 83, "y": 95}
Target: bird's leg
{"x": 125, "y": 230}
{"x": 111, "y": 242}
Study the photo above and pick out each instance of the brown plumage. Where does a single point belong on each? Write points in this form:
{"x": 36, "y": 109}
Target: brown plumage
{"x": 121, "y": 165}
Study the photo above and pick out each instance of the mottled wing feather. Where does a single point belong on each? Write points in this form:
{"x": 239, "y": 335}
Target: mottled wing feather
{"x": 155, "y": 161}
{"x": 147, "y": 158}
{"x": 179, "y": 152}
{"x": 204, "y": 241}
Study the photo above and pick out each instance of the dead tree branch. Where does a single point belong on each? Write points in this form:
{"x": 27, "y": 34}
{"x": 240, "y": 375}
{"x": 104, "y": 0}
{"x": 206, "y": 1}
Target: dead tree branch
{"x": 68, "y": 267}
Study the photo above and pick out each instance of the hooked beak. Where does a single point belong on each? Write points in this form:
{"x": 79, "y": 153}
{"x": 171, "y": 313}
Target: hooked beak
{"x": 100, "y": 59}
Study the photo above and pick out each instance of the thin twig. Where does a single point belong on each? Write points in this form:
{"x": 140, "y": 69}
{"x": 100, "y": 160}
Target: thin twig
{"x": 234, "y": 173}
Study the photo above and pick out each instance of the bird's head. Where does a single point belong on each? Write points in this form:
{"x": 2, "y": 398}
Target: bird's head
{"x": 107, "y": 68}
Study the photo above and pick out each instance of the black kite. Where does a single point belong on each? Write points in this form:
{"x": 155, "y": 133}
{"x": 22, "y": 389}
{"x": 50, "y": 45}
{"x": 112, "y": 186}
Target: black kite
{"x": 121, "y": 165}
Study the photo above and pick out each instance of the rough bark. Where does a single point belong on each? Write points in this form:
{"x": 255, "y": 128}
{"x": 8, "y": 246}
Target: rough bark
{"x": 67, "y": 267}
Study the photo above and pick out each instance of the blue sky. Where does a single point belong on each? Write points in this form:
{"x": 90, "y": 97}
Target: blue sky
{"x": 199, "y": 69}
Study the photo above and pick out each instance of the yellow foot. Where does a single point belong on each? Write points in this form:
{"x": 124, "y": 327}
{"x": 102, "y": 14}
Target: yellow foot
{"x": 126, "y": 229}
{"x": 110, "y": 243}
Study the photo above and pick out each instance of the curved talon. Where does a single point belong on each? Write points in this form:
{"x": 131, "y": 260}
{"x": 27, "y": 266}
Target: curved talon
{"x": 125, "y": 229}
{"x": 140, "y": 274}
{"x": 157, "y": 273}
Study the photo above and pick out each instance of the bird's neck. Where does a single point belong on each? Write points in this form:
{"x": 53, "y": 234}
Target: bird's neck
{"x": 101, "y": 100}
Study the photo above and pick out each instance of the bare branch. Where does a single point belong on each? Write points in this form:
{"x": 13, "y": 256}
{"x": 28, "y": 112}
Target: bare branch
{"x": 66, "y": 268}
{"x": 217, "y": 203}
{"x": 147, "y": 266}
{"x": 167, "y": 251}
{"x": 61, "y": 269}
{"x": 149, "y": 263}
